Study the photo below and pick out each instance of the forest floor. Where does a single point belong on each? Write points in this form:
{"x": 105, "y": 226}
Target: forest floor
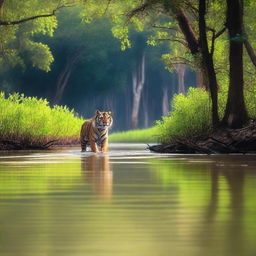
{"x": 220, "y": 141}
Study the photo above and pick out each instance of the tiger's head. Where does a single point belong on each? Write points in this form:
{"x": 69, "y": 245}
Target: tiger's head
{"x": 103, "y": 120}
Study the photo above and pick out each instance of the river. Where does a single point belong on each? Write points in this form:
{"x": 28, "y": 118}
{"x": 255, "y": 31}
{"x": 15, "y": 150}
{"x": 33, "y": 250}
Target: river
{"x": 126, "y": 202}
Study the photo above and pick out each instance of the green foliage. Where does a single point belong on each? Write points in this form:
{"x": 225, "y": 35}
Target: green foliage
{"x": 121, "y": 33}
{"x": 18, "y": 45}
{"x": 140, "y": 135}
{"x": 30, "y": 117}
{"x": 190, "y": 116}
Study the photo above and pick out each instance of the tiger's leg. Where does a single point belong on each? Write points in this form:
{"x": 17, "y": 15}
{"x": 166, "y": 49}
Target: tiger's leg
{"x": 83, "y": 145}
{"x": 104, "y": 145}
{"x": 83, "y": 136}
{"x": 94, "y": 147}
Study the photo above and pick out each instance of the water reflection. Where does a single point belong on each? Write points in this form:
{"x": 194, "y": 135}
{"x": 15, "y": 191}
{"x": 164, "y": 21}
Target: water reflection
{"x": 219, "y": 201}
{"x": 59, "y": 204}
{"x": 233, "y": 227}
{"x": 97, "y": 171}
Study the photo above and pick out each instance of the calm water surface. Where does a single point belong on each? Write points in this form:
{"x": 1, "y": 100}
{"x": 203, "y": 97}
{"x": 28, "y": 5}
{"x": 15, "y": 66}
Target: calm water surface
{"x": 127, "y": 202}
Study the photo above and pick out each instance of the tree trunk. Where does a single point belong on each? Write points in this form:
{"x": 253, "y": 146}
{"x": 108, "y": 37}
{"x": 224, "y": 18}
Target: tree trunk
{"x": 201, "y": 79}
{"x": 235, "y": 112}
{"x": 128, "y": 101}
{"x": 187, "y": 30}
{"x": 180, "y": 69}
{"x": 138, "y": 80}
{"x": 207, "y": 63}
{"x": 64, "y": 77}
{"x": 145, "y": 108}
{"x": 195, "y": 47}
{"x": 1, "y": 8}
{"x": 165, "y": 102}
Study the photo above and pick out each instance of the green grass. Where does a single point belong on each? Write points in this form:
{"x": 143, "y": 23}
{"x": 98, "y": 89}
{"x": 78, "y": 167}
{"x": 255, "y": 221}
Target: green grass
{"x": 141, "y": 135}
{"x": 31, "y": 122}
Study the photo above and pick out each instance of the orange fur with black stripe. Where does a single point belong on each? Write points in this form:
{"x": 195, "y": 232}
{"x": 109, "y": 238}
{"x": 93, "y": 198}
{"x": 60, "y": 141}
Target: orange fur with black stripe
{"x": 95, "y": 132}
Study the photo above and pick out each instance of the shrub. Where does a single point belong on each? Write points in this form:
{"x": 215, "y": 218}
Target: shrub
{"x": 190, "y": 116}
{"x": 34, "y": 121}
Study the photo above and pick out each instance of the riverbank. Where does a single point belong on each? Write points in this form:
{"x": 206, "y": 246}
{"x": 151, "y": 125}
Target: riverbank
{"x": 221, "y": 141}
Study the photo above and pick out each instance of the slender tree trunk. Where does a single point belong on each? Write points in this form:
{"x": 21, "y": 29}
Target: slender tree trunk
{"x": 201, "y": 79}
{"x": 127, "y": 100}
{"x": 165, "y": 102}
{"x": 64, "y": 77}
{"x": 145, "y": 108}
{"x": 195, "y": 47}
{"x": 138, "y": 80}
{"x": 208, "y": 63}
{"x": 180, "y": 69}
{"x": 1, "y": 8}
{"x": 235, "y": 113}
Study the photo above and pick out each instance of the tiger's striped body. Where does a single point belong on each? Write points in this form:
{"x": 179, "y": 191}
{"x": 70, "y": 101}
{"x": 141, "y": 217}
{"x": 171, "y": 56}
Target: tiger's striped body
{"x": 95, "y": 132}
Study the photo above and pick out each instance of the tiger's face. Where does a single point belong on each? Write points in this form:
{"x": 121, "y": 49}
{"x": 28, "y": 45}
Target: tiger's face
{"x": 103, "y": 120}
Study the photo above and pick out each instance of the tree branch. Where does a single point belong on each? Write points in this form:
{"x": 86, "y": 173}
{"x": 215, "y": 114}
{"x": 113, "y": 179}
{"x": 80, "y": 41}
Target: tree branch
{"x": 187, "y": 30}
{"x": 220, "y": 32}
{"x": 137, "y": 10}
{"x": 250, "y": 51}
{"x": 173, "y": 40}
{"x": 16, "y": 22}
{"x": 215, "y": 36}
{"x": 162, "y": 27}
{"x": 193, "y": 9}
{"x": 108, "y": 4}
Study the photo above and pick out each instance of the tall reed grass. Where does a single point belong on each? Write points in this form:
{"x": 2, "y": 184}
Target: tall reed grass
{"x": 29, "y": 122}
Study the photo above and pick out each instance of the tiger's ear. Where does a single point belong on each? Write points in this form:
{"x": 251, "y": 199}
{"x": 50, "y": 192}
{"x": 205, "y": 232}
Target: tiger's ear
{"x": 109, "y": 112}
{"x": 97, "y": 112}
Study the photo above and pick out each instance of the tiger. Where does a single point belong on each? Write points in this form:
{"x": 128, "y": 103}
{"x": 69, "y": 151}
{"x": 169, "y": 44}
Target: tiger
{"x": 95, "y": 131}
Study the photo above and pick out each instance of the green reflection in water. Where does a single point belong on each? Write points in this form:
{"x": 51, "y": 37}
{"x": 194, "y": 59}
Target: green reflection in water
{"x": 220, "y": 191}
{"x": 105, "y": 205}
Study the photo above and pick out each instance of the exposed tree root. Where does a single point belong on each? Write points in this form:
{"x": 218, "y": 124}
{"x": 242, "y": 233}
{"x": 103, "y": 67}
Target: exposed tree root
{"x": 34, "y": 143}
{"x": 221, "y": 141}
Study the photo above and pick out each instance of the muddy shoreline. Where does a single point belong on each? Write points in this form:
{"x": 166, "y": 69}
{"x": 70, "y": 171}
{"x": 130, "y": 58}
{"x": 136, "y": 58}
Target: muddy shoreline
{"x": 221, "y": 141}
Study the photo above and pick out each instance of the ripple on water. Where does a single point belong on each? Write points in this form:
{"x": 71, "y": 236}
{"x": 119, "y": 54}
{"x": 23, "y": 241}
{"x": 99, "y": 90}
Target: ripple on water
{"x": 126, "y": 202}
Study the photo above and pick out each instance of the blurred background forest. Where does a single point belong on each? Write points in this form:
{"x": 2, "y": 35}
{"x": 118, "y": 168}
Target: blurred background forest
{"x": 91, "y": 72}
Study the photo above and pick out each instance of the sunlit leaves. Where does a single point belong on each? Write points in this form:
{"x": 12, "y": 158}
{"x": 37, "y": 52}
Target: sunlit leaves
{"x": 16, "y": 41}
{"x": 121, "y": 33}
{"x": 40, "y": 55}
